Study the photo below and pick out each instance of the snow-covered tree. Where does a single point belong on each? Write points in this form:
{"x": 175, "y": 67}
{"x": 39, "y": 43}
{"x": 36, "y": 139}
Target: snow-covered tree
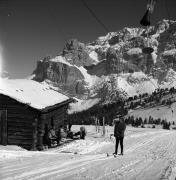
{"x": 107, "y": 90}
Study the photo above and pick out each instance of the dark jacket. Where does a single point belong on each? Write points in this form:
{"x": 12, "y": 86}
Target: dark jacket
{"x": 119, "y": 128}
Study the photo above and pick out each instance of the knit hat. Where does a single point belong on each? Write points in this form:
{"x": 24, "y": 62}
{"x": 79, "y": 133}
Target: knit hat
{"x": 116, "y": 120}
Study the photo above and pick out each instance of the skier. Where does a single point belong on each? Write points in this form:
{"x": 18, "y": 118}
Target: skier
{"x": 82, "y": 132}
{"x": 119, "y": 130}
{"x": 61, "y": 133}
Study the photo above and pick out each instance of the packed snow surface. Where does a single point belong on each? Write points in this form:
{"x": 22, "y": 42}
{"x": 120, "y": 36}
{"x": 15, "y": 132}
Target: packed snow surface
{"x": 31, "y": 92}
{"x": 148, "y": 154}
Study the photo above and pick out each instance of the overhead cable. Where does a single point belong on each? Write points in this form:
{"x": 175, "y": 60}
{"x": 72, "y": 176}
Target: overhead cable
{"x": 95, "y": 16}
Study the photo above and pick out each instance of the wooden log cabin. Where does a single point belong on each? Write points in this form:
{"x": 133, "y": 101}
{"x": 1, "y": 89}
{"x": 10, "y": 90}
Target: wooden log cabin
{"x": 26, "y": 108}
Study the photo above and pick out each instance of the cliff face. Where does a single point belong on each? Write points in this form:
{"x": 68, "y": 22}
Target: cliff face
{"x": 76, "y": 53}
{"x": 79, "y": 64}
{"x": 61, "y": 74}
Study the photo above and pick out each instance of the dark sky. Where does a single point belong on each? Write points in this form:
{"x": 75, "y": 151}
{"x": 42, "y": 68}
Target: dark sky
{"x": 33, "y": 29}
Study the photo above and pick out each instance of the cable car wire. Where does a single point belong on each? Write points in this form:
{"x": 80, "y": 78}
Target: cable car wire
{"x": 95, "y": 16}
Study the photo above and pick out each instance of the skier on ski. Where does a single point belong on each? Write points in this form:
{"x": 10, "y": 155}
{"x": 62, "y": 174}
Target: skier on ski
{"x": 82, "y": 132}
{"x": 119, "y": 130}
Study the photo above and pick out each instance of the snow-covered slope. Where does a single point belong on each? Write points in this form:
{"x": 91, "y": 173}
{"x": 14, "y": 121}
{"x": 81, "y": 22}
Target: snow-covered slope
{"x": 136, "y": 83}
{"x": 162, "y": 112}
{"x": 129, "y": 83}
{"x": 169, "y": 80}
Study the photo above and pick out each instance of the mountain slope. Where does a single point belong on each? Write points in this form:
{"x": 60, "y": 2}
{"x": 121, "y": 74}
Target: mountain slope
{"x": 81, "y": 67}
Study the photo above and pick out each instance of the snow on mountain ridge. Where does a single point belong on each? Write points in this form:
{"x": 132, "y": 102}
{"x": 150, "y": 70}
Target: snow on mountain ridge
{"x": 170, "y": 52}
{"x": 60, "y": 59}
{"x": 94, "y": 56}
{"x": 135, "y": 83}
{"x": 170, "y": 79}
{"x": 87, "y": 77}
{"x": 134, "y": 51}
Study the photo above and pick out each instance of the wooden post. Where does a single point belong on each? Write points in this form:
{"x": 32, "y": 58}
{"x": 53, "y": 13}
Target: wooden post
{"x": 98, "y": 125}
{"x": 34, "y": 135}
{"x": 103, "y": 126}
{"x": 40, "y": 133}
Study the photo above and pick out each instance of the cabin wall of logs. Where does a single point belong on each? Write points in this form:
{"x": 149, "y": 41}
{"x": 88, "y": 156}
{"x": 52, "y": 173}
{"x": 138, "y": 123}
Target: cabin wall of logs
{"x": 24, "y": 126}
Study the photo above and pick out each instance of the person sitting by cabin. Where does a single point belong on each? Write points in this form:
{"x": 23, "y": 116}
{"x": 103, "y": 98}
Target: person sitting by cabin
{"x": 69, "y": 126}
{"x": 61, "y": 133}
{"x": 69, "y": 132}
{"x": 52, "y": 136}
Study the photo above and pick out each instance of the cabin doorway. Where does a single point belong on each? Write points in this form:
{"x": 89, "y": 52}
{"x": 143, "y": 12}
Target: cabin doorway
{"x": 3, "y": 127}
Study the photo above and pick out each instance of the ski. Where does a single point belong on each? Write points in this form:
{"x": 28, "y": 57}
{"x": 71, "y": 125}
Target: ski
{"x": 110, "y": 155}
{"x": 115, "y": 155}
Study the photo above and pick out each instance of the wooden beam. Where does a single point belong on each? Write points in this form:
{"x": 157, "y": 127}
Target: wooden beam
{"x": 56, "y": 106}
{"x": 4, "y": 127}
{"x": 34, "y": 135}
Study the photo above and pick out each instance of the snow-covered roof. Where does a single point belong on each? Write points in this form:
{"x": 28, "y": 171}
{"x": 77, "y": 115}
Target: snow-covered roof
{"x": 30, "y": 92}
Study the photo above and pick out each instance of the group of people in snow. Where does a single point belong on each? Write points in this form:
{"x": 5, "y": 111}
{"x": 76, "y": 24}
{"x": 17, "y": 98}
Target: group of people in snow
{"x": 53, "y": 137}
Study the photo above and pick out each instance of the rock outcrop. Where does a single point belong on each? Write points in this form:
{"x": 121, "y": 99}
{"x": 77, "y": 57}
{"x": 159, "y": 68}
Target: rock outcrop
{"x": 61, "y": 74}
{"x": 76, "y": 53}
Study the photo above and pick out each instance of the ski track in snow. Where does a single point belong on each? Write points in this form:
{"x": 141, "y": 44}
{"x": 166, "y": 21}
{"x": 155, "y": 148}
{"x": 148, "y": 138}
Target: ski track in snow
{"x": 148, "y": 155}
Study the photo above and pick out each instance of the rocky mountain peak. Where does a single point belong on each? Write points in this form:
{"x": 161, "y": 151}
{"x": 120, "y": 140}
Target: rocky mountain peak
{"x": 120, "y": 52}
{"x": 76, "y": 53}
